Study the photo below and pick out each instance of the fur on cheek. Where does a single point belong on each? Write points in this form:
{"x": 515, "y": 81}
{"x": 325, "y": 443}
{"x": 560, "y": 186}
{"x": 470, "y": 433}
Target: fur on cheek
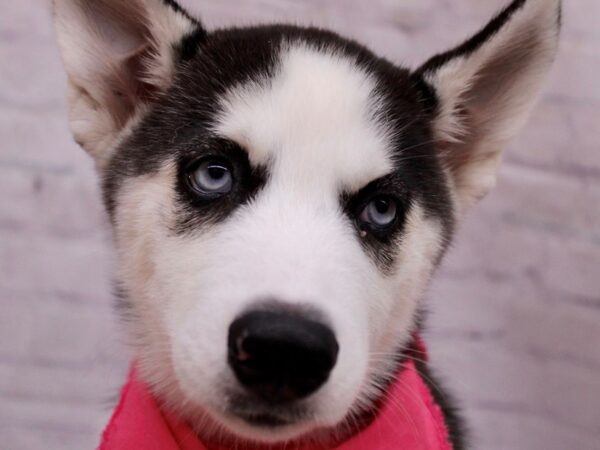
{"x": 395, "y": 312}
{"x": 141, "y": 219}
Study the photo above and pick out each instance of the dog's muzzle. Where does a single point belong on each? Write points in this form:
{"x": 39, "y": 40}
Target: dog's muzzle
{"x": 281, "y": 356}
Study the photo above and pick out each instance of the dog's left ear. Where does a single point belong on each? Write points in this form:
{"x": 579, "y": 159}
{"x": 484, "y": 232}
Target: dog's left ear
{"x": 119, "y": 55}
{"x": 485, "y": 88}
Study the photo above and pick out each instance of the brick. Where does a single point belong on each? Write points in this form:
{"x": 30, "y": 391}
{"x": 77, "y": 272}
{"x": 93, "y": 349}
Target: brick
{"x": 33, "y": 205}
{"x": 561, "y": 136}
{"x": 76, "y": 269}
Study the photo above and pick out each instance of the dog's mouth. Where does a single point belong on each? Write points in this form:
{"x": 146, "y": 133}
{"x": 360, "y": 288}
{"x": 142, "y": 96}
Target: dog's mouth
{"x": 257, "y": 413}
{"x": 264, "y": 420}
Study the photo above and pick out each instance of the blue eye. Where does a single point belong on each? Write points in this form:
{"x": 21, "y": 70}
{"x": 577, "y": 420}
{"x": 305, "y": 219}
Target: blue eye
{"x": 380, "y": 212}
{"x": 212, "y": 177}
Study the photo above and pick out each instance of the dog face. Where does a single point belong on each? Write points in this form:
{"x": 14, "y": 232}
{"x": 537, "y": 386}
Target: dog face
{"x": 281, "y": 196}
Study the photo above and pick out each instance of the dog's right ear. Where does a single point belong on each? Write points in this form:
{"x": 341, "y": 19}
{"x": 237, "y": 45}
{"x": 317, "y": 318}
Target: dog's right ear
{"x": 485, "y": 89}
{"x": 119, "y": 55}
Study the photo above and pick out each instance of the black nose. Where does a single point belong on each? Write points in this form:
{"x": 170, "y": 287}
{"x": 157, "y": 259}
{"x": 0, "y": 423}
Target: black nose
{"x": 281, "y": 356}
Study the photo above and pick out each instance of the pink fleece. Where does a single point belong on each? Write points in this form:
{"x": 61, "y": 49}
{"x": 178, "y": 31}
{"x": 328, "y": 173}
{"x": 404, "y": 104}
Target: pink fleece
{"x": 409, "y": 419}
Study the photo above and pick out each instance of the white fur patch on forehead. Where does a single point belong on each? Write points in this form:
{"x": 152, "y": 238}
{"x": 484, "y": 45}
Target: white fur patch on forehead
{"x": 316, "y": 118}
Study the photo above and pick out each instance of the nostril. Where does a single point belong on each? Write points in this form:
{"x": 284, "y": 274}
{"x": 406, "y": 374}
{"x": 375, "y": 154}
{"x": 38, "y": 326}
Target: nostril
{"x": 239, "y": 346}
{"x": 281, "y": 356}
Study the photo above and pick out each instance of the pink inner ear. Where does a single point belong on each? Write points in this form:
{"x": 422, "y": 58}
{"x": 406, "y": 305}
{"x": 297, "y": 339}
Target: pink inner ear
{"x": 487, "y": 88}
{"x": 128, "y": 85}
{"x": 125, "y": 46}
{"x": 117, "y": 54}
{"x": 119, "y": 27}
{"x": 116, "y": 48}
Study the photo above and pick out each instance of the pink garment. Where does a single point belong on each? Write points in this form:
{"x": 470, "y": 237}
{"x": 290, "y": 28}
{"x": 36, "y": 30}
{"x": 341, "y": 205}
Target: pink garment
{"x": 409, "y": 419}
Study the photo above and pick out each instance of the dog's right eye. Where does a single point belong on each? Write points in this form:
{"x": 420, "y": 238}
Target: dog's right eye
{"x": 211, "y": 177}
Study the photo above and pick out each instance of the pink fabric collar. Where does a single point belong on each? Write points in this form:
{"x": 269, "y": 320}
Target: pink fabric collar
{"x": 409, "y": 419}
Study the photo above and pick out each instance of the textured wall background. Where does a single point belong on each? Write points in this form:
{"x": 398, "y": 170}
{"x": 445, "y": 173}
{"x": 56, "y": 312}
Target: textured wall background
{"x": 516, "y": 307}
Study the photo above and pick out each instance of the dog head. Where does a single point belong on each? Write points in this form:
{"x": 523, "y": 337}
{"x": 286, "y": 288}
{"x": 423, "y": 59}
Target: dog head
{"x": 281, "y": 195}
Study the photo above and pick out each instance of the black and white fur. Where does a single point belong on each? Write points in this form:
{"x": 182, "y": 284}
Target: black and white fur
{"x": 314, "y": 126}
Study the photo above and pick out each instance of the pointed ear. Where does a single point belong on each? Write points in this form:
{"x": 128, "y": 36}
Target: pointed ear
{"x": 485, "y": 88}
{"x": 118, "y": 54}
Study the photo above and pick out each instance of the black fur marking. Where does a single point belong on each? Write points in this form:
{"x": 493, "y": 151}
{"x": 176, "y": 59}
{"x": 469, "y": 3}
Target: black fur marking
{"x": 380, "y": 244}
{"x": 181, "y": 119}
{"x": 456, "y": 427}
{"x": 190, "y": 43}
{"x": 195, "y": 211}
{"x": 417, "y": 178}
{"x": 458, "y": 432}
{"x": 427, "y": 94}
{"x": 409, "y": 108}
{"x": 474, "y": 43}
{"x": 178, "y": 8}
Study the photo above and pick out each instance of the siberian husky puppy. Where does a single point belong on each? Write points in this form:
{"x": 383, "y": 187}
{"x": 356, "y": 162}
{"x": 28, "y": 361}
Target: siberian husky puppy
{"x": 280, "y": 197}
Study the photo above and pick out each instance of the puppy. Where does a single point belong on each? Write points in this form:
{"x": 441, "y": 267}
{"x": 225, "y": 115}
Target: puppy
{"x": 280, "y": 197}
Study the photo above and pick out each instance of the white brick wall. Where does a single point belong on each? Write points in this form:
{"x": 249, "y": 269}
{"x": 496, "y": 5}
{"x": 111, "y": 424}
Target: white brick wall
{"x": 515, "y": 325}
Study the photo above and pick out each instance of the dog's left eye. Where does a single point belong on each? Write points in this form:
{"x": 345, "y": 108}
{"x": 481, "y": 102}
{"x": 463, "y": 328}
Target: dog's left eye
{"x": 380, "y": 213}
{"x": 211, "y": 177}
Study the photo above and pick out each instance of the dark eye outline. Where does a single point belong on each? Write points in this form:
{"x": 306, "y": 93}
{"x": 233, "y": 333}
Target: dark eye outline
{"x": 194, "y": 166}
{"x": 392, "y": 188}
